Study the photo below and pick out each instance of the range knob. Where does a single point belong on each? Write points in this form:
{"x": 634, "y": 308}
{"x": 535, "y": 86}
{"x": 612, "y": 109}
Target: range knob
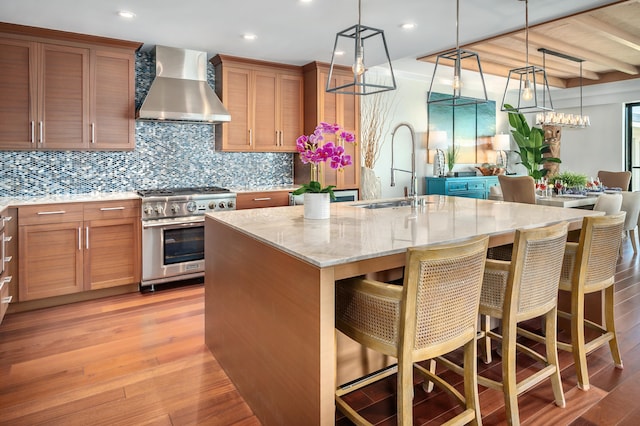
{"x": 230, "y": 204}
{"x": 159, "y": 209}
{"x": 212, "y": 205}
{"x": 175, "y": 208}
{"x": 148, "y": 209}
{"x": 191, "y": 206}
{"x": 222, "y": 205}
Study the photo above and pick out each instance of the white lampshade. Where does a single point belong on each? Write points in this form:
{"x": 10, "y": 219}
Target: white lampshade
{"x": 502, "y": 142}
{"x": 438, "y": 139}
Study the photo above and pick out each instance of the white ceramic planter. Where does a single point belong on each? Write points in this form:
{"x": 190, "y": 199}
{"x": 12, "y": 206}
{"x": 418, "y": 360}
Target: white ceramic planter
{"x": 316, "y": 205}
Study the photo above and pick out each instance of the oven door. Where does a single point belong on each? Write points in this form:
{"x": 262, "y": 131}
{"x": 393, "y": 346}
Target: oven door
{"x": 172, "y": 250}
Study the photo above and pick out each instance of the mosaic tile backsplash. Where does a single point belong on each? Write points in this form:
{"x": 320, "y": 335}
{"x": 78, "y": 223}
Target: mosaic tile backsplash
{"x": 167, "y": 155}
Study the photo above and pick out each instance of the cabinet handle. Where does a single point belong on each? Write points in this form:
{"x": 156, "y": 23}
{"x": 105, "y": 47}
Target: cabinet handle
{"x": 262, "y": 199}
{"x": 79, "y": 238}
{"x": 7, "y": 239}
{"x": 33, "y": 132}
{"x": 41, "y": 131}
{"x": 8, "y": 259}
{"x": 106, "y": 209}
{"x": 250, "y": 137}
{"x": 6, "y": 280}
{"x": 52, "y": 212}
{"x": 87, "y": 238}
{"x": 7, "y": 299}
{"x": 6, "y": 219}
{"x": 93, "y": 132}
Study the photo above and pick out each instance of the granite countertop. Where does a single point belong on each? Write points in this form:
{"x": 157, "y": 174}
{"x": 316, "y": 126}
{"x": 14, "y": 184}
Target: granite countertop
{"x": 65, "y": 198}
{"x": 354, "y": 233}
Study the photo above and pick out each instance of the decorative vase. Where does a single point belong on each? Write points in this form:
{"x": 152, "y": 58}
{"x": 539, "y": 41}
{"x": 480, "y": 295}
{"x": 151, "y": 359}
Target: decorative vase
{"x": 316, "y": 205}
{"x": 371, "y": 186}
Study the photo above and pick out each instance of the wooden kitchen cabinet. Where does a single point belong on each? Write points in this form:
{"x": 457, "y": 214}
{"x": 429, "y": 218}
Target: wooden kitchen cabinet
{"x": 73, "y": 247}
{"x": 61, "y": 91}
{"x": 331, "y": 108}
{"x": 265, "y": 101}
{"x": 254, "y": 200}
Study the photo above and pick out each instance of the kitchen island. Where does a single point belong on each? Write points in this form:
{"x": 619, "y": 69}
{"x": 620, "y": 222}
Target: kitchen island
{"x": 270, "y": 277}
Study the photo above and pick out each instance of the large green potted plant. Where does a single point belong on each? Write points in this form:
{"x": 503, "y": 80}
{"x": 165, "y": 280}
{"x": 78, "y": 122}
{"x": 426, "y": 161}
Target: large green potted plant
{"x": 531, "y": 145}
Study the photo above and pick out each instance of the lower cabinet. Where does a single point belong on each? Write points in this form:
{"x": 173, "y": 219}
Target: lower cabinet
{"x": 470, "y": 187}
{"x": 69, "y": 248}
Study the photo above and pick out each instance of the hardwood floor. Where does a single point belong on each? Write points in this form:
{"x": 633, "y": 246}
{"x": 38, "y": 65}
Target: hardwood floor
{"x": 140, "y": 359}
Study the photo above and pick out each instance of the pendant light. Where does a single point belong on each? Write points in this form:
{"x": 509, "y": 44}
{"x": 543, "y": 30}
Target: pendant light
{"x": 358, "y": 39}
{"x": 458, "y": 90}
{"x": 527, "y": 88}
{"x": 550, "y": 118}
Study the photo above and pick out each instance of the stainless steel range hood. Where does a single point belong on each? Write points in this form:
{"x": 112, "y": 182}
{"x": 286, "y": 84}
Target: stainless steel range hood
{"x": 180, "y": 91}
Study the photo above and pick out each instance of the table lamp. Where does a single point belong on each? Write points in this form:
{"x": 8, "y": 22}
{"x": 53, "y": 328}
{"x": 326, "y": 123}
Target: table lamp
{"x": 438, "y": 142}
{"x": 502, "y": 143}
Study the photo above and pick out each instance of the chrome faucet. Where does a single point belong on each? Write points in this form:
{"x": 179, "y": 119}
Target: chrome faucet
{"x": 413, "y": 191}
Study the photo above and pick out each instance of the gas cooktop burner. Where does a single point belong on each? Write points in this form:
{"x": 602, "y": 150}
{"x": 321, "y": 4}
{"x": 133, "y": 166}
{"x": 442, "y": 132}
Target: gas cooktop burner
{"x": 167, "y": 192}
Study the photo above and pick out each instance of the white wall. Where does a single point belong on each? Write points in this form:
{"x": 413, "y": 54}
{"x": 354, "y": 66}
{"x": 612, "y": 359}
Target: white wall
{"x": 599, "y": 147}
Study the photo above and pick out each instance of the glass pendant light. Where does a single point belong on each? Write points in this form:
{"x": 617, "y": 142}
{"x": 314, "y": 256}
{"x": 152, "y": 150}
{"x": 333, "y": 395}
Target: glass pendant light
{"x": 527, "y": 88}
{"x": 364, "y": 82}
{"x": 456, "y": 91}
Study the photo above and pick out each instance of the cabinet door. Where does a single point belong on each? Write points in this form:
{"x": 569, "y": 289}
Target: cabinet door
{"x": 236, "y": 97}
{"x": 17, "y": 94}
{"x": 291, "y": 109}
{"x": 265, "y": 94}
{"x": 64, "y": 97}
{"x": 50, "y": 260}
{"x": 113, "y": 101}
{"x": 111, "y": 252}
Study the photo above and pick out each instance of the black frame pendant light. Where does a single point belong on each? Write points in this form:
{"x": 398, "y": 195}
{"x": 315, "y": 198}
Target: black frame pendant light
{"x": 360, "y": 38}
{"x": 527, "y": 88}
{"x": 458, "y": 91}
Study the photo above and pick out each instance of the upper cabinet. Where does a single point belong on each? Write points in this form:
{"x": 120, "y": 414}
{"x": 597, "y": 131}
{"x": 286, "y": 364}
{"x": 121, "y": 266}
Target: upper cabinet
{"x": 265, "y": 101}
{"x": 62, "y": 91}
{"x": 331, "y": 108}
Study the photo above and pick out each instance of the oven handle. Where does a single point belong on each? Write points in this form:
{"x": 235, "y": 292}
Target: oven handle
{"x": 177, "y": 224}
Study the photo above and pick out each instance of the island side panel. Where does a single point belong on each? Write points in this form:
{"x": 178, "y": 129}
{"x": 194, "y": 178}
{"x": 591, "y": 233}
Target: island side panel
{"x": 269, "y": 321}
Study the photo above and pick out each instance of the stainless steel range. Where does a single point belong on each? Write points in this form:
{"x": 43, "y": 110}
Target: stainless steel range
{"x": 173, "y": 231}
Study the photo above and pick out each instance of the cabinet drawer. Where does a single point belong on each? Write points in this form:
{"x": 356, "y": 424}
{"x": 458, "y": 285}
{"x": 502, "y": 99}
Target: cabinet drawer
{"x": 458, "y": 186}
{"x": 112, "y": 209}
{"x": 254, "y": 200}
{"x": 476, "y": 186}
{"x": 49, "y": 213}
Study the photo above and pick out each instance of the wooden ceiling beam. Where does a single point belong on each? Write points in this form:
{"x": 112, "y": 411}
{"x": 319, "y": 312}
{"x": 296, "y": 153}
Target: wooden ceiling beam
{"x": 610, "y": 31}
{"x": 553, "y": 44}
{"x": 506, "y": 56}
{"x": 495, "y": 68}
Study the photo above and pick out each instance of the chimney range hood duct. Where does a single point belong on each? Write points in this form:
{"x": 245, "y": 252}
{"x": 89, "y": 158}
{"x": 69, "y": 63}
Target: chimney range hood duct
{"x": 180, "y": 91}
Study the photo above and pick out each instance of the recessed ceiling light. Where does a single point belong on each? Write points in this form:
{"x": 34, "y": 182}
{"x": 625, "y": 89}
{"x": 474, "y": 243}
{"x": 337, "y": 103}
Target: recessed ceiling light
{"x": 306, "y": 1}
{"x": 126, "y": 14}
{"x": 338, "y": 53}
{"x": 249, "y": 36}
{"x": 408, "y": 26}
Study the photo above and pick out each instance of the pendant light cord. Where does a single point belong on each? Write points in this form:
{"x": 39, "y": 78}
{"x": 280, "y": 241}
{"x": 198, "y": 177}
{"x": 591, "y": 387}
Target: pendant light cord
{"x": 457, "y": 24}
{"x": 526, "y": 31}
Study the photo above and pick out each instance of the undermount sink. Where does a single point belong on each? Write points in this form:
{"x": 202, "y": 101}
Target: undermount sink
{"x": 385, "y": 204}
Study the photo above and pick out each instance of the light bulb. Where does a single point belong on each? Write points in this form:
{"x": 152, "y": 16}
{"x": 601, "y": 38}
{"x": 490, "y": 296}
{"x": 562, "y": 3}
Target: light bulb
{"x": 358, "y": 68}
{"x": 527, "y": 92}
{"x": 457, "y": 83}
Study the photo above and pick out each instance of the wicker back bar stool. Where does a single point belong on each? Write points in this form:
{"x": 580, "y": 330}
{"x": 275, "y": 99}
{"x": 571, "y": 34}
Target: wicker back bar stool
{"x": 434, "y": 312}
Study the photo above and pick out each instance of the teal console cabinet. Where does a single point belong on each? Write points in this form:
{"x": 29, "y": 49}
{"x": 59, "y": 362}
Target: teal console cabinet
{"x": 470, "y": 187}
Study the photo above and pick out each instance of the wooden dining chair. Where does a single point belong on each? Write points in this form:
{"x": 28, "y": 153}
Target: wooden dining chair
{"x": 519, "y": 189}
{"x": 434, "y": 312}
{"x": 516, "y": 291}
{"x": 615, "y": 179}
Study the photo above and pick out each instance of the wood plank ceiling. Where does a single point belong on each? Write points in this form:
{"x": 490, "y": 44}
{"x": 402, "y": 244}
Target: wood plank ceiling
{"x": 607, "y": 39}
